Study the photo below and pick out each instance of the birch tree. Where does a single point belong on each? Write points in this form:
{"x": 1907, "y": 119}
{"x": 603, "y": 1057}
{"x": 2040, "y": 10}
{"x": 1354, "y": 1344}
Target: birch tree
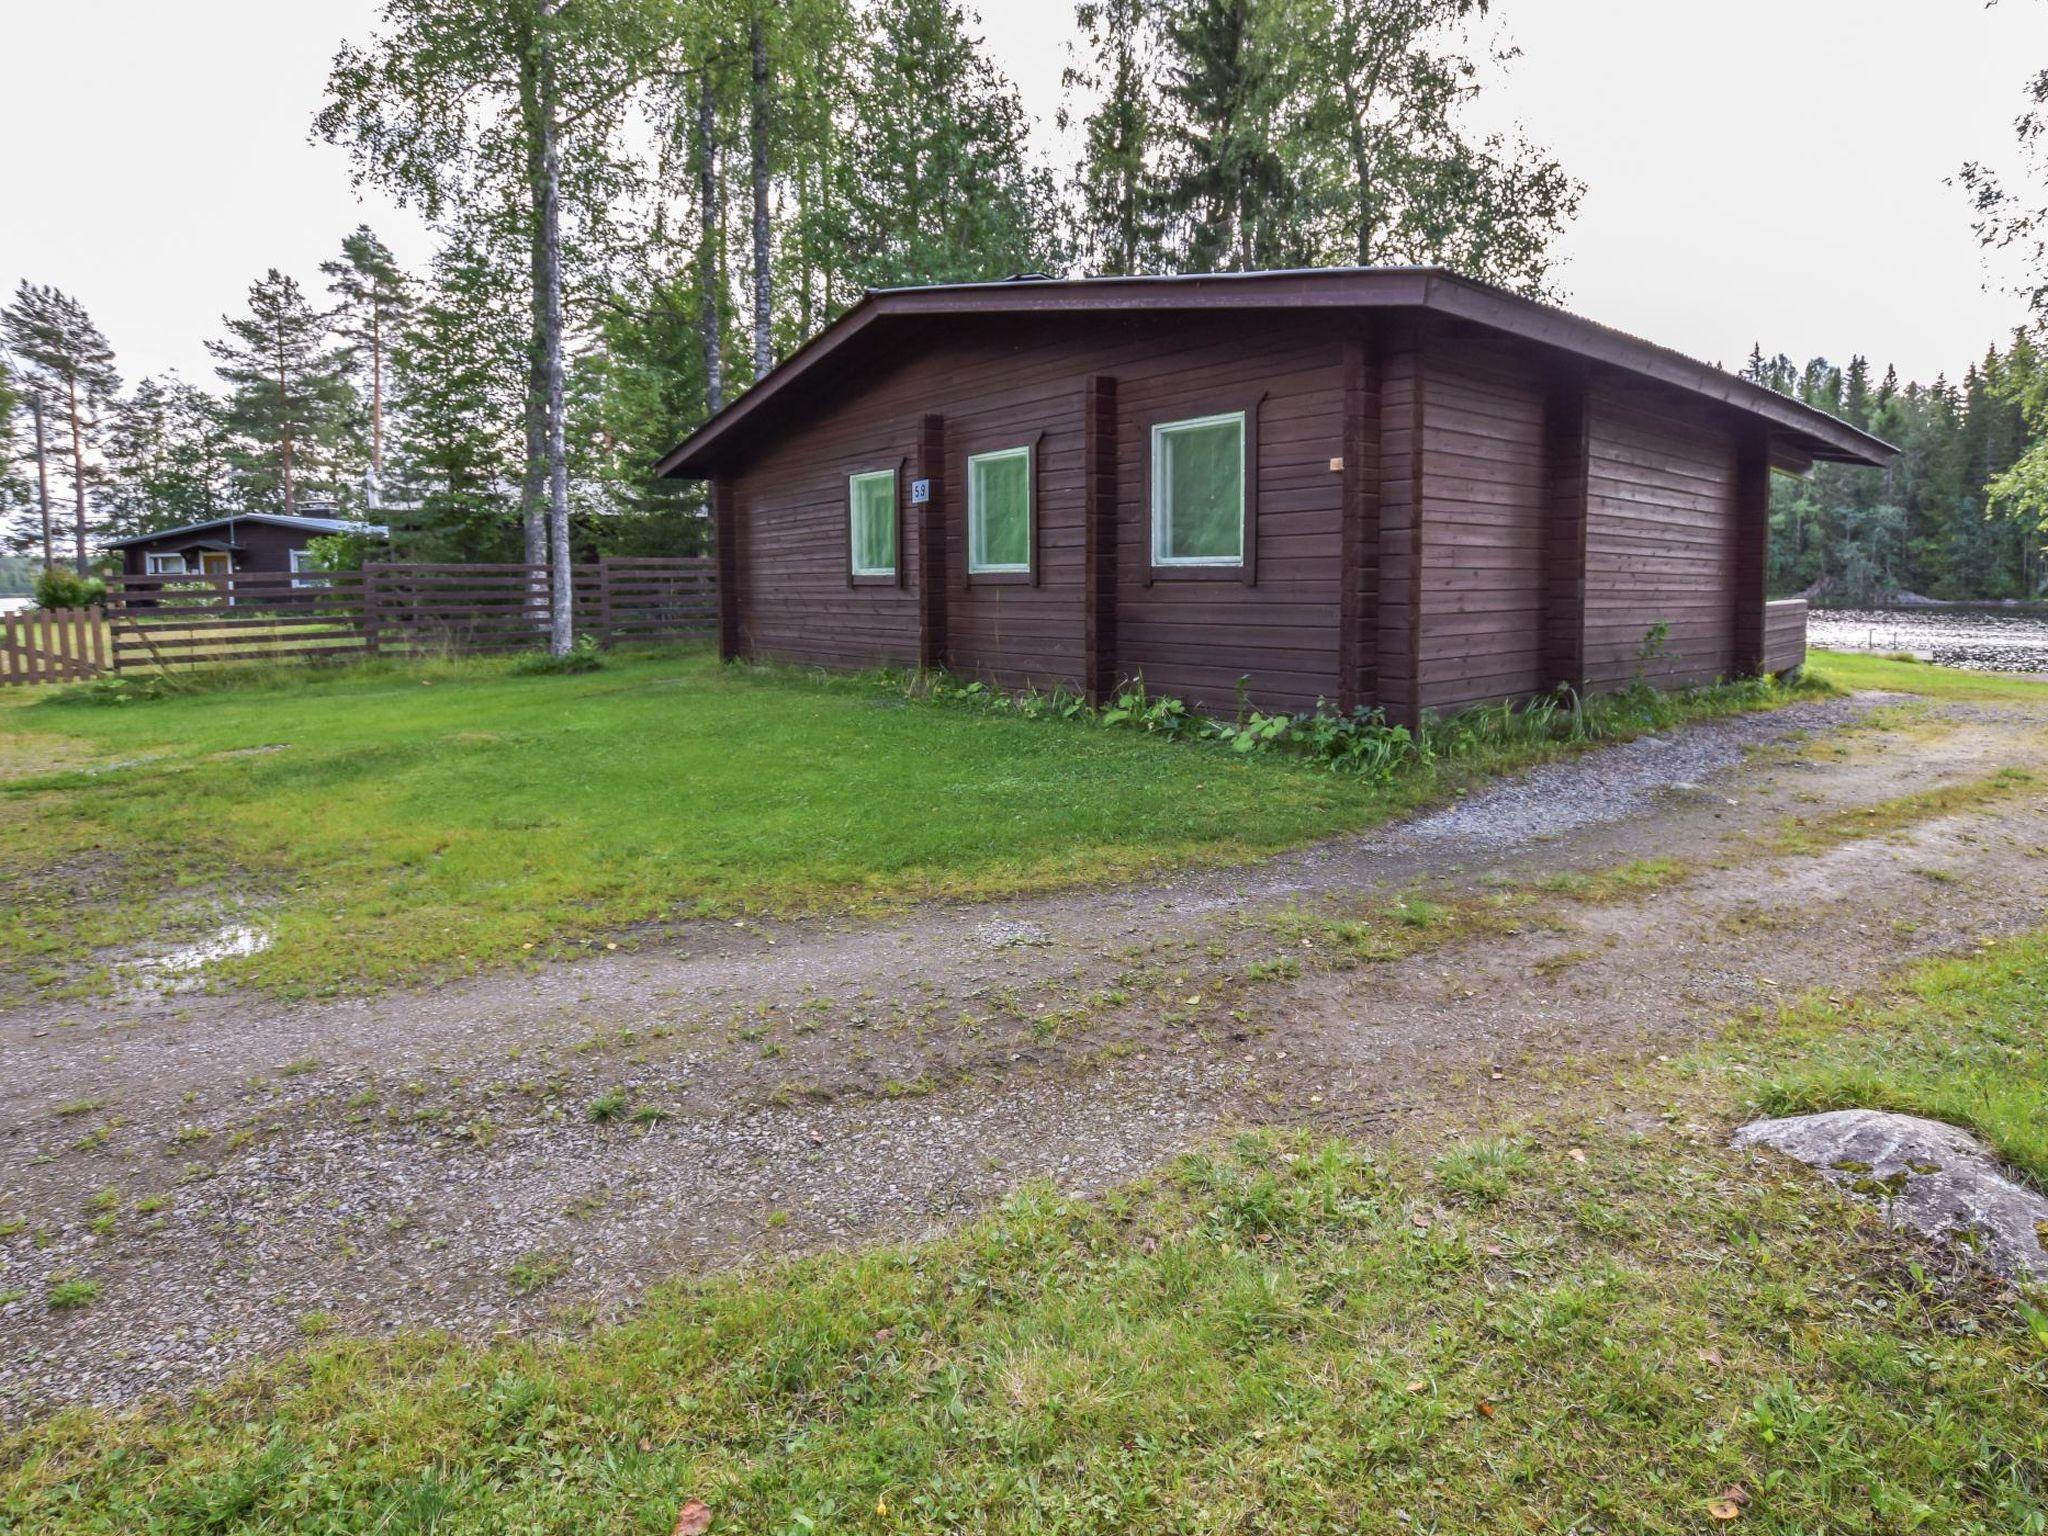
{"x": 514, "y": 104}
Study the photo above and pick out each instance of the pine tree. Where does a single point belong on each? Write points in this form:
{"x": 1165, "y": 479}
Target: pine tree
{"x": 289, "y": 397}
{"x": 51, "y": 334}
{"x": 33, "y": 401}
{"x": 1227, "y": 194}
{"x": 939, "y": 185}
{"x": 1116, "y": 231}
{"x": 373, "y": 299}
{"x": 167, "y": 458}
{"x": 459, "y": 364}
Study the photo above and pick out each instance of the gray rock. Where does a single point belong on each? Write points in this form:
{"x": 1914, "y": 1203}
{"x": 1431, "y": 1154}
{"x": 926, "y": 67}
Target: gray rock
{"x": 1939, "y": 1181}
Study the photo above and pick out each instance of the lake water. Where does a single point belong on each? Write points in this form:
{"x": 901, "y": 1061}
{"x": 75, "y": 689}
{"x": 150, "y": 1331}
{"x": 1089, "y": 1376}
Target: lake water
{"x": 15, "y": 604}
{"x": 1987, "y": 639}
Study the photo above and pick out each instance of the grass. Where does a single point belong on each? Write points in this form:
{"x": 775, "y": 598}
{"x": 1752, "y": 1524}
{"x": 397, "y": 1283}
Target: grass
{"x": 1577, "y": 1325}
{"x": 1810, "y": 835}
{"x": 1962, "y": 1043}
{"x": 1853, "y": 670}
{"x": 1594, "y": 1317}
{"x": 413, "y": 822}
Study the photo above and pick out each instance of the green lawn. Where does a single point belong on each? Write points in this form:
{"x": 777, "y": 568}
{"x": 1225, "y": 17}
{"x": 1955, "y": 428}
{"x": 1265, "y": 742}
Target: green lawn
{"x": 1591, "y": 1321}
{"x": 396, "y": 822}
{"x": 1850, "y": 670}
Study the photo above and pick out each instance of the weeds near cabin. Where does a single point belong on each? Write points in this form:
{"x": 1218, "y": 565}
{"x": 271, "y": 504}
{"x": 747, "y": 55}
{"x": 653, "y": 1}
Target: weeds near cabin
{"x": 1362, "y": 742}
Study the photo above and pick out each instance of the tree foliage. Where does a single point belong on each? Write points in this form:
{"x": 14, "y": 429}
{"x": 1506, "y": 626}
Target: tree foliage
{"x": 71, "y": 367}
{"x": 289, "y": 400}
{"x": 1927, "y": 525}
{"x": 1234, "y": 134}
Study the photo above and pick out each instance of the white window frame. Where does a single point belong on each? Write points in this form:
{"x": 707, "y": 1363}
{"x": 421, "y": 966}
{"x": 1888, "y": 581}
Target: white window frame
{"x": 978, "y": 568}
{"x": 153, "y": 565}
{"x": 853, "y": 483}
{"x": 304, "y": 573}
{"x": 1162, "y": 501}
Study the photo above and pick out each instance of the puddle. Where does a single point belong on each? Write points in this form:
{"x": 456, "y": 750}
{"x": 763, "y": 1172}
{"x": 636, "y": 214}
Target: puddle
{"x": 181, "y": 967}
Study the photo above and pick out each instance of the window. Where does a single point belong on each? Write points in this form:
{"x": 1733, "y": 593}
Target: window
{"x": 1198, "y": 483}
{"x": 873, "y": 499}
{"x": 164, "y": 565}
{"x": 999, "y": 511}
{"x": 303, "y": 561}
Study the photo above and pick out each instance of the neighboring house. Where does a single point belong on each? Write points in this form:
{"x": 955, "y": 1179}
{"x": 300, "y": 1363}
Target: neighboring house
{"x": 253, "y": 541}
{"x": 1387, "y": 486}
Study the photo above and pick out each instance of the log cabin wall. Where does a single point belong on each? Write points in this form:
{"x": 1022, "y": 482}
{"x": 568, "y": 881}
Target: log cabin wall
{"x": 1459, "y": 495}
{"x": 1006, "y": 384}
{"x": 1663, "y": 477}
{"x": 1517, "y": 518}
{"x": 1485, "y": 498}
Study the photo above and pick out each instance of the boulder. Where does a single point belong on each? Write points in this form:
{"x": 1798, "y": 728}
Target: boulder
{"x": 1933, "y": 1178}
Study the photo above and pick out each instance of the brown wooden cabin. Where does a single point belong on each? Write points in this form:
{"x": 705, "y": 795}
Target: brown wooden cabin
{"x": 225, "y": 546}
{"x": 1392, "y": 487}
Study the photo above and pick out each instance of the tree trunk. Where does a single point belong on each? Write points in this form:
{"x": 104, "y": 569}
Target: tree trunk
{"x": 376, "y": 400}
{"x": 35, "y": 410}
{"x": 707, "y": 260}
{"x": 78, "y": 472}
{"x": 284, "y": 438}
{"x": 764, "y": 351}
{"x": 562, "y": 626}
{"x": 533, "y": 490}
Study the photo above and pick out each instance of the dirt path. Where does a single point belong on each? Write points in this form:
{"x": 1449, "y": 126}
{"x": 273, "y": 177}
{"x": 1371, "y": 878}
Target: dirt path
{"x": 235, "y": 1174}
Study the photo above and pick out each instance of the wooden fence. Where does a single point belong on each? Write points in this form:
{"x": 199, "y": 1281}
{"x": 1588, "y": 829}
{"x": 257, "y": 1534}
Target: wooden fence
{"x": 1785, "y": 634}
{"x": 52, "y": 645}
{"x": 170, "y": 622}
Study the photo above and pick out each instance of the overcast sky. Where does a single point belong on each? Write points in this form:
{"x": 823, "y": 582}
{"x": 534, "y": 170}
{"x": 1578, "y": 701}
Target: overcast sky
{"x": 1765, "y": 170}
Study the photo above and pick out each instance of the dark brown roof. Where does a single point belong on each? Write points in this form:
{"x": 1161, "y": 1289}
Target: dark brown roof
{"x": 1799, "y": 433}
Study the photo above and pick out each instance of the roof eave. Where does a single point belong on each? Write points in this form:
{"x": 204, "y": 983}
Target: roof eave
{"x": 1818, "y": 435}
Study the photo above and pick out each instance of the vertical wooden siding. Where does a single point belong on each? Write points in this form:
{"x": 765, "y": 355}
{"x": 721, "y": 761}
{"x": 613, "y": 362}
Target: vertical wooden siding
{"x": 1660, "y": 510}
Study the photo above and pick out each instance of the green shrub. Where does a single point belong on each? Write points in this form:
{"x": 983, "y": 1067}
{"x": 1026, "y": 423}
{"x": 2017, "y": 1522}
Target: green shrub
{"x": 59, "y": 588}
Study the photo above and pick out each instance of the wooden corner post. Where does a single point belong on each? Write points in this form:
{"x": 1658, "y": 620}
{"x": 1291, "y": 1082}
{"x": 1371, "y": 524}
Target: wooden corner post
{"x": 1099, "y": 538}
{"x": 1358, "y": 612}
{"x": 725, "y": 535}
{"x": 1567, "y": 464}
{"x": 930, "y": 517}
{"x": 1752, "y": 533}
{"x": 1399, "y": 617}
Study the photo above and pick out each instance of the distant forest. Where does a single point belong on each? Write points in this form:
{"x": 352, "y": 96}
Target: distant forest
{"x": 1929, "y": 525}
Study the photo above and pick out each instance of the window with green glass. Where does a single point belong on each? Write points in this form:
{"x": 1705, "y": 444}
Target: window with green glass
{"x": 999, "y": 511}
{"x": 1198, "y": 491}
{"x": 873, "y": 498}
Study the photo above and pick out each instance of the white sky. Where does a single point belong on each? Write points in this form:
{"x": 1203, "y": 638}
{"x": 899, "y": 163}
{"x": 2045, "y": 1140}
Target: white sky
{"x": 1757, "y": 169}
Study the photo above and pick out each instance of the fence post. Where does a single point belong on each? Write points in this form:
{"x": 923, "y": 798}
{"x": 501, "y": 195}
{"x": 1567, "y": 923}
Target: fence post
{"x": 372, "y": 617}
{"x": 604, "y": 600}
